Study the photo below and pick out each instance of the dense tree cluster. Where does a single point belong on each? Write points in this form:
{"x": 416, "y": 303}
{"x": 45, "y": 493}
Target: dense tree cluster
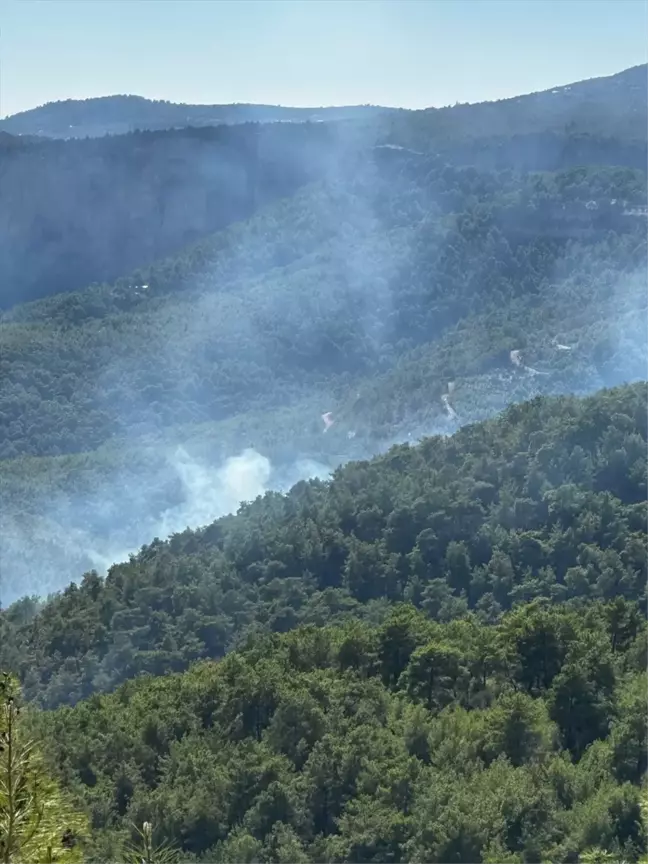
{"x": 38, "y": 820}
{"x": 408, "y": 741}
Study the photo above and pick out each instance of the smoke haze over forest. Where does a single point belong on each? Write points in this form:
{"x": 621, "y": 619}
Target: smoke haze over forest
{"x": 324, "y": 431}
{"x": 356, "y": 269}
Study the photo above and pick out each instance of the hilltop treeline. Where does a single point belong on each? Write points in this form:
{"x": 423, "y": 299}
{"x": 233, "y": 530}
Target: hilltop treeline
{"x": 114, "y": 115}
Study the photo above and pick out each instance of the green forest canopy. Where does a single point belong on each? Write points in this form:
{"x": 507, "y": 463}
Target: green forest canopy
{"x": 409, "y": 741}
{"x": 453, "y": 732}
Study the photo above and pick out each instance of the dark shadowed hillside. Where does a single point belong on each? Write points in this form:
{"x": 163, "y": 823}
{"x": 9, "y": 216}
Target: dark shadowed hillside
{"x": 75, "y": 212}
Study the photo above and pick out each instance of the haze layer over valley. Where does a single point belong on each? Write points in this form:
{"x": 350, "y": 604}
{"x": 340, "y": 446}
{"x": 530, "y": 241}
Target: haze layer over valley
{"x": 401, "y": 274}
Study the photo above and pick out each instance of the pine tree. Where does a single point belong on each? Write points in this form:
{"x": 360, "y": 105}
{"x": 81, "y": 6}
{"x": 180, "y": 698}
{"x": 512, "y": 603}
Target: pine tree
{"x": 144, "y": 851}
{"x": 38, "y": 823}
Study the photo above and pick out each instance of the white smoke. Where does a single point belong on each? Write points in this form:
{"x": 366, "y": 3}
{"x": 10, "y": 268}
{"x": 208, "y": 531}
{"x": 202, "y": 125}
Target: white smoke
{"x": 42, "y": 554}
{"x": 210, "y": 493}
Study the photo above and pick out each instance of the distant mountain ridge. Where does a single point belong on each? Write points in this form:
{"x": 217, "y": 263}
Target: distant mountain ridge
{"x": 614, "y": 105}
{"x": 624, "y": 93}
{"x": 78, "y": 211}
{"x": 120, "y": 114}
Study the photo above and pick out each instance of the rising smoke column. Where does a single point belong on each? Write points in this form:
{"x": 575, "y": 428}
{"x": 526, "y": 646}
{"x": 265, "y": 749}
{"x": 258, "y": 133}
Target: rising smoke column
{"x": 446, "y": 401}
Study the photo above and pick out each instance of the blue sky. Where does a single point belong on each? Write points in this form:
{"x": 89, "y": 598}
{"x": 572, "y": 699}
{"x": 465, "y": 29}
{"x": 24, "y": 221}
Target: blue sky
{"x": 410, "y": 53}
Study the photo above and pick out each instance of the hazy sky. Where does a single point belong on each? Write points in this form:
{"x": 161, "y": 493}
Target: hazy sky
{"x": 411, "y": 53}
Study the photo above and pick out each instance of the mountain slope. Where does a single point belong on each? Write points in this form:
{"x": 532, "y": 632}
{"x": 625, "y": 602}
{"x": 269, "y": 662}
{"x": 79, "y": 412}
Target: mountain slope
{"x": 438, "y": 653}
{"x": 282, "y": 303}
{"x": 593, "y": 107}
{"x": 74, "y": 212}
{"x": 365, "y": 299}
{"x": 546, "y": 501}
{"x": 620, "y": 97}
{"x": 404, "y": 294}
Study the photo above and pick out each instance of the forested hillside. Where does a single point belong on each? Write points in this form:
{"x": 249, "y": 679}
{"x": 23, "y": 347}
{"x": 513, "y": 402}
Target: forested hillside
{"x": 547, "y": 501}
{"x": 404, "y": 294}
{"x": 439, "y": 655}
{"x": 97, "y": 209}
{"x": 598, "y": 107}
{"x": 75, "y": 212}
{"x": 408, "y": 741}
{"x": 282, "y": 302}
{"x": 371, "y": 298}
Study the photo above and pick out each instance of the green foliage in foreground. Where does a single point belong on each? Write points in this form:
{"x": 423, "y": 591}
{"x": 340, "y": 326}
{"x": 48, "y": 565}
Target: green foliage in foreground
{"x": 411, "y": 741}
{"x": 38, "y": 822}
{"x": 38, "y": 819}
{"x": 546, "y": 501}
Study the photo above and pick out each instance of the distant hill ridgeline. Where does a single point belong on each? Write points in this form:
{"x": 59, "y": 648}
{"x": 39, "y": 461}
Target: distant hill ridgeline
{"x": 120, "y": 114}
{"x": 621, "y": 98}
{"x": 76, "y": 212}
